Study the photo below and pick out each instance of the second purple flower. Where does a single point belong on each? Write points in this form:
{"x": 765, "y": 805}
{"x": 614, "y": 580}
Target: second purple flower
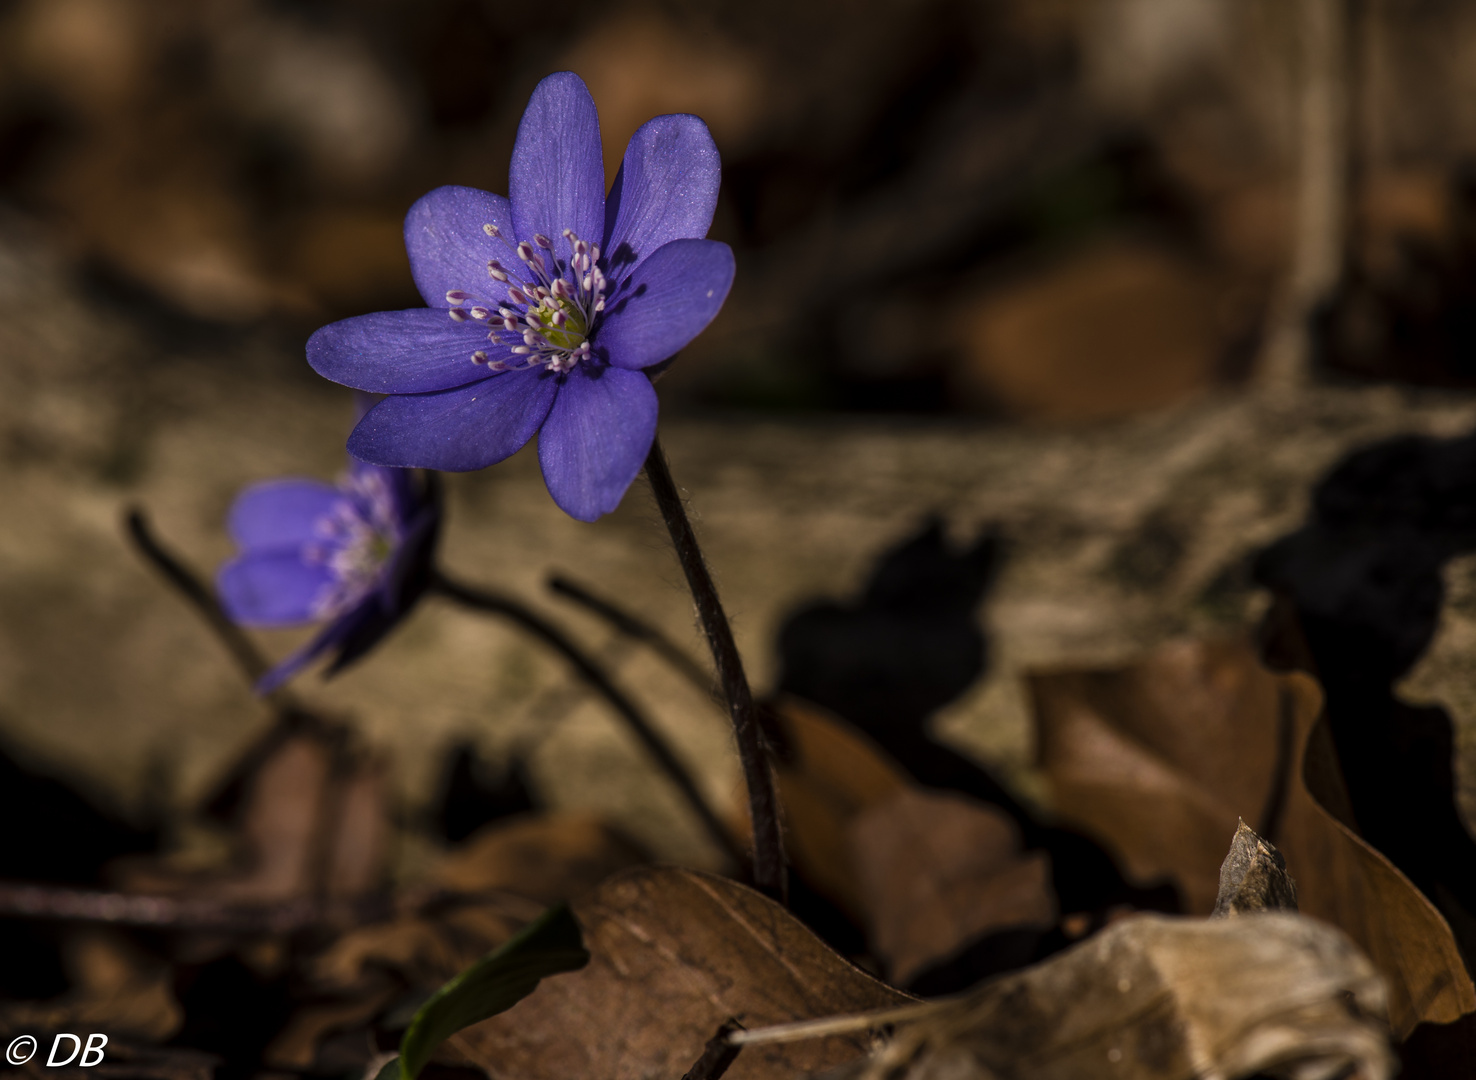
{"x": 545, "y": 307}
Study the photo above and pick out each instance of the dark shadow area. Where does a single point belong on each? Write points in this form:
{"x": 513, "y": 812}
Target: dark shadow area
{"x": 473, "y": 793}
{"x": 1363, "y": 581}
{"x": 57, "y": 836}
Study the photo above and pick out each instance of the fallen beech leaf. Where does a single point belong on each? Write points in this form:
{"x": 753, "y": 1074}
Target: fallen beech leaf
{"x": 1158, "y": 998}
{"x": 675, "y": 953}
{"x": 1162, "y": 758}
{"x": 828, "y": 773}
{"x": 939, "y": 870}
{"x": 1159, "y": 760}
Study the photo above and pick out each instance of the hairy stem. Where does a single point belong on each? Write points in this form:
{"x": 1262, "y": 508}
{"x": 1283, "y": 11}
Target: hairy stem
{"x": 636, "y": 628}
{"x": 763, "y": 802}
{"x": 482, "y": 600}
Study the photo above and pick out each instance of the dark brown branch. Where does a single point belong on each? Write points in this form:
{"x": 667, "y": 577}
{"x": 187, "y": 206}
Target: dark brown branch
{"x": 717, "y": 1055}
{"x": 634, "y": 627}
{"x": 763, "y": 802}
{"x": 497, "y": 604}
{"x": 197, "y": 594}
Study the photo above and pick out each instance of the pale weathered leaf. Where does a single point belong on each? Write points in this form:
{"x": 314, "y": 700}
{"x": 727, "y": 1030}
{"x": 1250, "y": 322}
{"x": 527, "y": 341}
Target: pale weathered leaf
{"x": 1159, "y": 998}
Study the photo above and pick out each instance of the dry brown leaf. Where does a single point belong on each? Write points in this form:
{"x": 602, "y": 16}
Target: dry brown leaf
{"x": 1160, "y": 998}
{"x": 1159, "y": 759}
{"x": 939, "y": 870}
{"x": 828, "y": 773}
{"x": 674, "y": 954}
{"x": 509, "y": 871}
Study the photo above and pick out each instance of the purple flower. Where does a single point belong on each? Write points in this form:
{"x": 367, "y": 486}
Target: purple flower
{"x": 545, "y": 307}
{"x": 356, "y": 555}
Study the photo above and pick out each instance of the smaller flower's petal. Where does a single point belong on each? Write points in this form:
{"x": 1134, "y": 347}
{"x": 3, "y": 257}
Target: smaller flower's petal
{"x": 456, "y": 430}
{"x": 596, "y": 438}
{"x": 449, "y": 246}
{"x": 271, "y": 588}
{"x": 557, "y": 177}
{"x": 668, "y": 301}
{"x": 280, "y": 513}
{"x": 666, "y": 190}
{"x": 402, "y": 352}
{"x": 324, "y": 640}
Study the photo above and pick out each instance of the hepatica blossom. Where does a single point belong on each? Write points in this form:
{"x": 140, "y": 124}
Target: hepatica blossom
{"x": 355, "y": 555}
{"x": 546, "y": 307}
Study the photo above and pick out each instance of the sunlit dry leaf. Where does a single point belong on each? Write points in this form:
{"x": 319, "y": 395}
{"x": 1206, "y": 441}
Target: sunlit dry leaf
{"x": 675, "y": 953}
{"x": 939, "y": 870}
{"x": 1160, "y": 998}
{"x": 1160, "y": 759}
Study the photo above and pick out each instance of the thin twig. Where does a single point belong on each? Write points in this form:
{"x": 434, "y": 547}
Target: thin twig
{"x": 825, "y": 1026}
{"x": 763, "y": 802}
{"x": 1321, "y": 197}
{"x": 717, "y": 1055}
{"x": 632, "y": 626}
{"x": 199, "y": 596}
{"x": 61, "y": 904}
{"x": 482, "y": 600}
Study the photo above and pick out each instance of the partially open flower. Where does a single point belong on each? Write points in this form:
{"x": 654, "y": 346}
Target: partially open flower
{"x": 545, "y": 306}
{"x": 356, "y": 555}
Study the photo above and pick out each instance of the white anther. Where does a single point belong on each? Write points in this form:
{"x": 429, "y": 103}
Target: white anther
{"x": 457, "y": 315}
{"x": 521, "y": 350}
{"x": 480, "y": 313}
{"x": 525, "y": 251}
{"x": 491, "y": 230}
{"x": 542, "y": 241}
{"x": 497, "y": 365}
{"x": 568, "y": 234}
{"x": 517, "y": 296}
{"x": 479, "y": 357}
{"x": 558, "y": 318}
{"x": 495, "y": 271}
{"x": 456, "y": 296}
{"x": 509, "y": 323}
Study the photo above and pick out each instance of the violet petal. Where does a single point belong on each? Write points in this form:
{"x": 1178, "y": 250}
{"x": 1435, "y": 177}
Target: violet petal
{"x": 666, "y": 190}
{"x": 596, "y": 438}
{"x": 557, "y": 177}
{"x": 449, "y": 249}
{"x": 666, "y": 302}
{"x": 456, "y": 430}
{"x": 402, "y": 352}
{"x": 271, "y": 588}
{"x": 280, "y": 513}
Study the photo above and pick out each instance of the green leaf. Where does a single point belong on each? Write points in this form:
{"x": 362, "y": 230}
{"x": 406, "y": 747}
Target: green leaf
{"x": 549, "y": 945}
{"x": 390, "y": 1070}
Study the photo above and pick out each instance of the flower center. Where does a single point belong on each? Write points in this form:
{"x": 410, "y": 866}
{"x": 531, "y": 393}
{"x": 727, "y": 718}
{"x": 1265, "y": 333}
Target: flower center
{"x": 357, "y": 539}
{"x": 551, "y": 306}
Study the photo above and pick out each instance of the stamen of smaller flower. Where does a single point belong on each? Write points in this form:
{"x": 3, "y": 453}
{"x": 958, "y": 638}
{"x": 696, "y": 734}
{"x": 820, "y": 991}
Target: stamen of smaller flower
{"x": 492, "y": 230}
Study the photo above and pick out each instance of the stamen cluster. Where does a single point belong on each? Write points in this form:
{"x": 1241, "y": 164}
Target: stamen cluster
{"x": 556, "y": 303}
{"x": 356, "y": 538}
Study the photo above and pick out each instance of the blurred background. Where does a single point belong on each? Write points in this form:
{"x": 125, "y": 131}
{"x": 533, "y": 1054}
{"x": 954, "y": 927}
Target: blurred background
{"x": 1111, "y": 283}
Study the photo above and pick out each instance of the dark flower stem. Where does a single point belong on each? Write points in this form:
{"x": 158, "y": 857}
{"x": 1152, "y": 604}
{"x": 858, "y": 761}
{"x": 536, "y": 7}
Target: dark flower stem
{"x": 763, "y": 802}
{"x": 494, "y": 603}
{"x": 636, "y": 628}
{"x": 199, "y": 596}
